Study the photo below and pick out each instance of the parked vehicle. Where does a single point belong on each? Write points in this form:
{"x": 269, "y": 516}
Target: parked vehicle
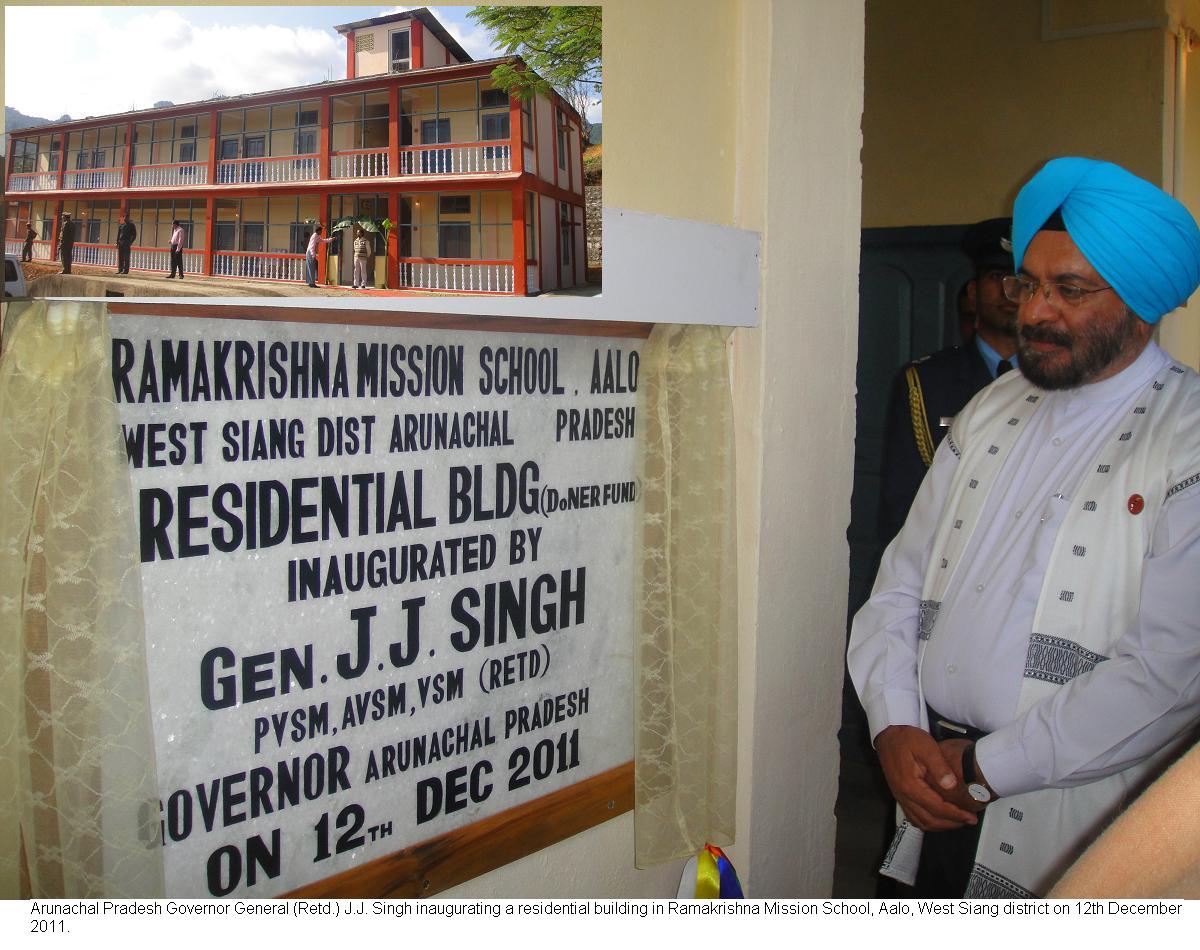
{"x": 14, "y": 277}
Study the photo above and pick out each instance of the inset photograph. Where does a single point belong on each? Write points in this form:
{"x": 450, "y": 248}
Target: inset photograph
{"x": 302, "y": 151}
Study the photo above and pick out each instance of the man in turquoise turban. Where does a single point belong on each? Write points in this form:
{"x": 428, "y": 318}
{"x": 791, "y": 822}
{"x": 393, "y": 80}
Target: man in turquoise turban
{"x": 1031, "y": 651}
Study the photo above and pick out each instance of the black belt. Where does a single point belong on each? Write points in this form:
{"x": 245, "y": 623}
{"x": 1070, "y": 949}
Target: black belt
{"x": 942, "y": 728}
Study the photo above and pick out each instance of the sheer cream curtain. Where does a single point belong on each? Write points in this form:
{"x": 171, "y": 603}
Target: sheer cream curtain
{"x": 686, "y": 605}
{"x": 78, "y": 801}
{"x": 78, "y": 795}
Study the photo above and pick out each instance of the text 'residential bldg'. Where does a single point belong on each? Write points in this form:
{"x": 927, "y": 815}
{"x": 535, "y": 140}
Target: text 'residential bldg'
{"x": 485, "y": 191}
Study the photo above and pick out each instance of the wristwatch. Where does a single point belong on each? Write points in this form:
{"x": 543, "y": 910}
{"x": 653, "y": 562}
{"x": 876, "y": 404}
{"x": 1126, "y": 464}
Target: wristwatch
{"x": 975, "y": 788}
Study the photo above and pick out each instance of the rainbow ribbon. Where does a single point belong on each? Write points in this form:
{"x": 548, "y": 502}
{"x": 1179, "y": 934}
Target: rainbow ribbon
{"x": 715, "y": 876}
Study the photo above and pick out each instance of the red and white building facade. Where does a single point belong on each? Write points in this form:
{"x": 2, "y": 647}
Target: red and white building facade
{"x": 485, "y": 191}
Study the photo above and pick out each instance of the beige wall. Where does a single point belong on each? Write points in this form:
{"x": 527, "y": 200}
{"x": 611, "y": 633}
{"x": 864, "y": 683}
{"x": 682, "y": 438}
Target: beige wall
{"x": 378, "y": 60}
{"x": 433, "y": 53}
{"x": 964, "y": 100}
{"x": 775, "y": 149}
{"x": 548, "y": 250}
{"x": 543, "y": 117}
{"x": 963, "y": 105}
{"x": 1179, "y": 333}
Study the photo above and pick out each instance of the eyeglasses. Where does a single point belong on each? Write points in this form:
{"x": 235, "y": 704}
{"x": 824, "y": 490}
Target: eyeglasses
{"x": 1022, "y": 289}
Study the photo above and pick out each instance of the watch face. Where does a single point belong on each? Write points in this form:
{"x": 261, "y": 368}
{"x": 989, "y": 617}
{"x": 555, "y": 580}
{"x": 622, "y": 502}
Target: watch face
{"x": 979, "y": 793}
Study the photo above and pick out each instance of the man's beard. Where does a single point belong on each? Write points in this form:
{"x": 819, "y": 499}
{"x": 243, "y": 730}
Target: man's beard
{"x": 1089, "y": 352}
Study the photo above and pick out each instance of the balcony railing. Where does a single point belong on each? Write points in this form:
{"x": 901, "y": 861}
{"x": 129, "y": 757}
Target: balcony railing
{"x": 472, "y": 158}
{"x": 264, "y": 171}
{"x": 100, "y": 255}
{"x": 41, "y": 250}
{"x": 469, "y": 159}
{"x": 486, "y": 277}
{"x": 95, "y": 178}
{"x": 33, "y": 181}
{"x": 258, "y": 266}
{"x": 155, "y": 259}
{"x": 177, "y": 175}
{"x": 359, "y": 163}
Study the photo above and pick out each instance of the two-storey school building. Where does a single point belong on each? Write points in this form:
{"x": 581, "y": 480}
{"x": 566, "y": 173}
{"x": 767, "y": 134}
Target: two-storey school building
{"x": 485, "y": 191}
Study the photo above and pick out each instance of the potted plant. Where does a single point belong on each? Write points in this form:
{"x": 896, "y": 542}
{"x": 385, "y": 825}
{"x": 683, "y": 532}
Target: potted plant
{"x": 385, "y": 227}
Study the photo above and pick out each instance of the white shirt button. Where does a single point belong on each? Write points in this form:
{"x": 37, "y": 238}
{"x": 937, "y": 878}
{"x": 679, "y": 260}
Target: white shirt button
{"x": 1020, "y": 512}
{"x": 951, "y": 668}
{"x": 979, "y": 588}
{"x": 1058, "y": 441}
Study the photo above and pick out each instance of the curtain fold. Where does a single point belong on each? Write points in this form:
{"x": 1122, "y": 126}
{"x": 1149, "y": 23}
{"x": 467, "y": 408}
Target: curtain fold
{"x": 78, "y": 788}
{"x": 685, "y": 628}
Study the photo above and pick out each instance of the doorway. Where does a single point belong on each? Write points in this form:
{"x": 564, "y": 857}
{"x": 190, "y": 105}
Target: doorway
{"x": 909, "y": 279}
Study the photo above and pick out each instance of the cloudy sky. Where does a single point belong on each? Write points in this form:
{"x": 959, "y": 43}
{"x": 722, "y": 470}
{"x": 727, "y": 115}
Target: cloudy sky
{"x": 93, "y": 61}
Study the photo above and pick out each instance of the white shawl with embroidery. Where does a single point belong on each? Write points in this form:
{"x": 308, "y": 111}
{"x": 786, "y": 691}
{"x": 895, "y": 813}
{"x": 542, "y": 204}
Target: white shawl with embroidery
{"x": 1089, "y": 597}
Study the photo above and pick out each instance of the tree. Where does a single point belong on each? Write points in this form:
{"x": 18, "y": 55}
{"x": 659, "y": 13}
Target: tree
{"x": 561, "y": 46}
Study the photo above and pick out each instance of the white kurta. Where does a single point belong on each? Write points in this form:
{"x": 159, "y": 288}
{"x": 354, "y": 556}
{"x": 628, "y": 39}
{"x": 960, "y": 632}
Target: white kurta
{"x": 973, "y": 670}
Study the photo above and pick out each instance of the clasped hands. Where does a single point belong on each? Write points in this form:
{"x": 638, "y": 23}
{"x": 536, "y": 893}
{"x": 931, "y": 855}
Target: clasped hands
{"x": 926, "y": 778}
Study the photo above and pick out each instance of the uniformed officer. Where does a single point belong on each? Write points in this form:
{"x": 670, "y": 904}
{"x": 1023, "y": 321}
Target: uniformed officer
{"x": 929, "y": 392}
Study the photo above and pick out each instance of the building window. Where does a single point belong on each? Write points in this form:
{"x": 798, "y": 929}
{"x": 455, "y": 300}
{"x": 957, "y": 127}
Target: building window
{"x": 493, "y": 99}
{"x": 153, "y": 217}
{"x": 453, "y": 112}
{"x": 527, "y": 122}
{"x": 401, "y": 52}
{"x": 280, "y": 130}
{"x": 95, "y": 221}
{"x": 454, "y": 240}
{"x": 455, "y": 204}
{"x": 298, "y": 238}
{"x": 274, "y": 225}
{"x": 531, "y": 227}
{"x": 463, "y": 226}
{"x": 360, "y": 121}
{"x": 96, "y": 148}
{"x": 187, "y": 155}
{"x": 436, "y": 161}
{"x": 561, "y": 127}
{"x": 495, "y": 126}
{"x": 565, "y": 232}
{"x": 165, "y": 141}
{"x": 225, "y": 236}
{"x": 24, "y": 156}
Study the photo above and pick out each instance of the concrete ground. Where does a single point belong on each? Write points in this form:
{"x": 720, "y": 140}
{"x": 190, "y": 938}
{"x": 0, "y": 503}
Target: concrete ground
{"x": 85, "y": 281}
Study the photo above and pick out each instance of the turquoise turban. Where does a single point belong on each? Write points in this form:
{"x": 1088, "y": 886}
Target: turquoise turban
{"x": 1137, "y": 237}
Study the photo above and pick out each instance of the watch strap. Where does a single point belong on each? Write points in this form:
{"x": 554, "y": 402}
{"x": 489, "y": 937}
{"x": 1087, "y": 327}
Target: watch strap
{"x": 978, "y": 790}
{"x": 970, "y": 776}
